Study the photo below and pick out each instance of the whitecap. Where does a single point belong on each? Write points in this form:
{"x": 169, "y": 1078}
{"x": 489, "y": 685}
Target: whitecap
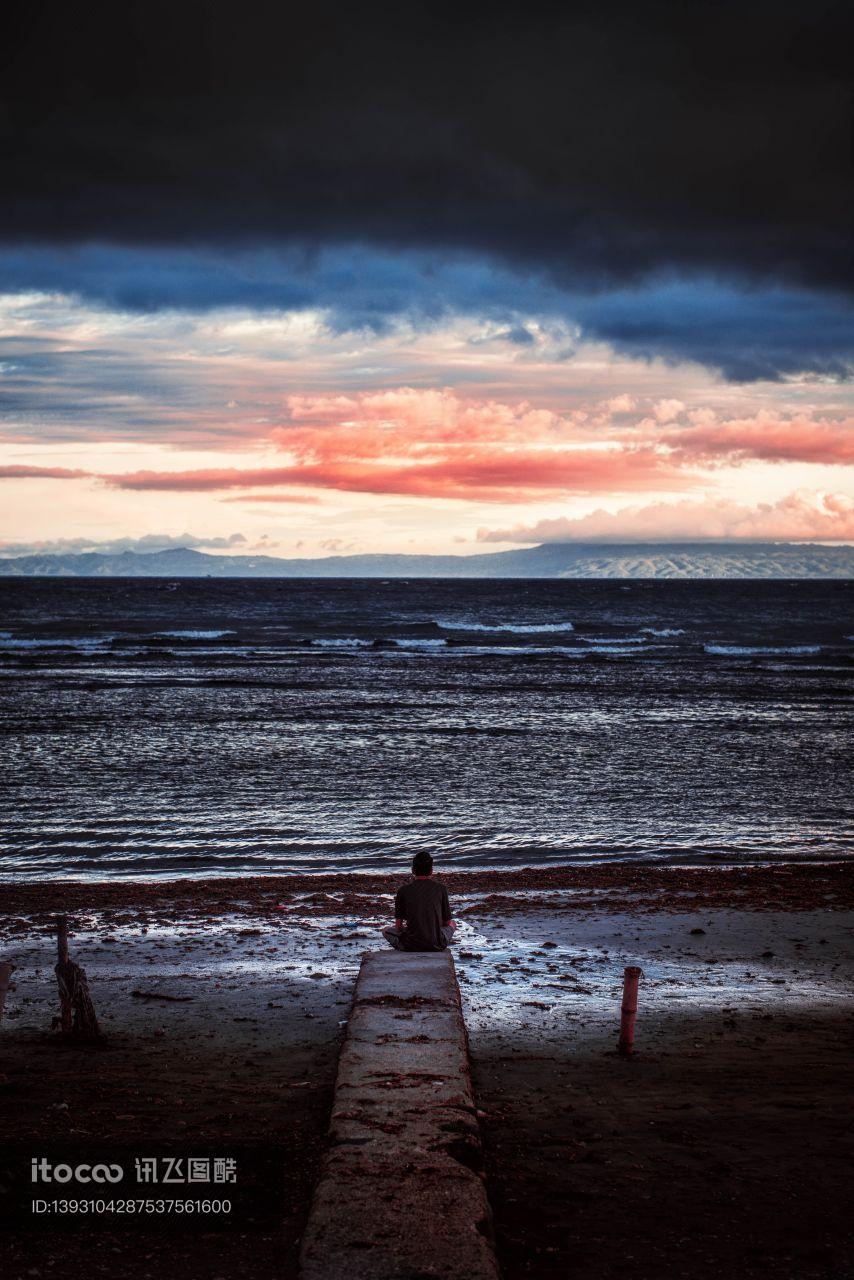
{"x": 194, "y": 635}
{"x": 513, "y": 650}
{"x": 607, "y": 641}
{"x": 517, "y": 628}
{"x": 349, "y": 642}
{"x": 420, "y": 644}
{"x": 620, "y": 649}
{"x": 761, "y": 651}
{"x": 83, "y": 643}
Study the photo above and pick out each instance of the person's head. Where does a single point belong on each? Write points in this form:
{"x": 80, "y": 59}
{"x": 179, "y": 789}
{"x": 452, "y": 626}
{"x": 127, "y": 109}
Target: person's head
{"x": 422, "y": 865}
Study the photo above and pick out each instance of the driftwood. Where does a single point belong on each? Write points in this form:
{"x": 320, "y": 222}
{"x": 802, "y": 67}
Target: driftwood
{"x": 77, "y": 1013}
{"x": 6, "y": 970}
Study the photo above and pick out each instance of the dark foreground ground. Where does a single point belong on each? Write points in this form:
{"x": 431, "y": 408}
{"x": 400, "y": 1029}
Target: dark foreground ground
{"x": 722, "y": 1149}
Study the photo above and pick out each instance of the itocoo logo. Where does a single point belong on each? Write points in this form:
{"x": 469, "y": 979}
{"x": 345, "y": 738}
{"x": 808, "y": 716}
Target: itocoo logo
{"x": 43, "y": 1171}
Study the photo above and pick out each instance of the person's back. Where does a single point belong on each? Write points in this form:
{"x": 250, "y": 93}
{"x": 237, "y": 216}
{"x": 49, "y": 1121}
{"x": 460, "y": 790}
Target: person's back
{"x": 422, "y": 911}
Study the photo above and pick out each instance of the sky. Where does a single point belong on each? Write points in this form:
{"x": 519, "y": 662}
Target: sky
{"x": 426, "y": 277}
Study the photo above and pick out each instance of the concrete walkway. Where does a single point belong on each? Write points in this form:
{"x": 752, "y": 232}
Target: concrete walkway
{"x": 401, "y": 1196}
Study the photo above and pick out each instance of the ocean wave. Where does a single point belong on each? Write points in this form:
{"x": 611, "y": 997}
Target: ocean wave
{"x": 761, "y": 651}
{"x": 209, "y": 652}
{"x": 517, "y": 650}
{"x": 440, "y": 649}
{"x": 194, "y": 635}
{"x": 663, "y": 633}
{"x": 419, "y": 644}
{"x": 605, "y": 641}
{"x": 85, "y": 644}
{"x": 618, "y": 649}
{"x": 346, "y": 642}
{"x": 515, "y": 628}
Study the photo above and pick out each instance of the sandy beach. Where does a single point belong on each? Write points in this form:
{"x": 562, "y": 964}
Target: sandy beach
{"x": 722, "y": 1147}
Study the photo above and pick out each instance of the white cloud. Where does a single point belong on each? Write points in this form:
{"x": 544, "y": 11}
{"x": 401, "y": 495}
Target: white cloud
{"x": 802, "y": 516}
{"x": 114, "y": 546}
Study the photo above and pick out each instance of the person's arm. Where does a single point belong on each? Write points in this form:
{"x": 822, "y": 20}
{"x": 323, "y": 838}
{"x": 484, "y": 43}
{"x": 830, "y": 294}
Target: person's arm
{"x": 446, "y": 908}
{"x": 398, "y": 911}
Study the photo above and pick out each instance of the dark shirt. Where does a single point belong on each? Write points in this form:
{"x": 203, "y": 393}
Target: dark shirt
{"x": 424, "y": 905}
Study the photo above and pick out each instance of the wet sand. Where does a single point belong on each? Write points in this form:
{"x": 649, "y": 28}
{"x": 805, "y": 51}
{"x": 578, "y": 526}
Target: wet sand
{"x": 722, "y": 1147}
{"x": 245, "y": 1051}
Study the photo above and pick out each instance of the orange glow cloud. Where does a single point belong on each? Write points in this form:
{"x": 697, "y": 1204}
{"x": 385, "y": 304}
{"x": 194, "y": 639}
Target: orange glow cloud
{"x": 434, "y": 444}
{"x": 415, "y": 415}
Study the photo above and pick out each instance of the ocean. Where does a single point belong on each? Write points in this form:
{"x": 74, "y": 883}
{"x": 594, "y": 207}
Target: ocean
{"x": 155, "y": 728}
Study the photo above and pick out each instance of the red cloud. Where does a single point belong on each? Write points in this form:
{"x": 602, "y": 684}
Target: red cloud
{"x": 483, "y": 474}
{"x": 767, "y": 438}
{"x": 407, "y": 421}
{"x": 436, "y": 444}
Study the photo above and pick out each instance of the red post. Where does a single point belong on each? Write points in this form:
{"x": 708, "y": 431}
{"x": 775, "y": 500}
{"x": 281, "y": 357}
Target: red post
{"x": 631, "y": 976}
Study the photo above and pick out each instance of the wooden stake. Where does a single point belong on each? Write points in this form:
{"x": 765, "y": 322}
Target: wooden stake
{"x": 631, "y": 977}
{"x": 6, "y": 969}
{"x": 77, "y": 1013}
{"x": 66, "y": 1012}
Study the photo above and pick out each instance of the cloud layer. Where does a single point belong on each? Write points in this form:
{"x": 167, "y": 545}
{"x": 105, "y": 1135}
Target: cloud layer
{"x": 675, "y": 181}
{"x": 378, "y": 275}
{"x": 544, "y": 133}
{"x": 761, "y": 333}
{"x": 437, "y": 444}
{"x": 801, "y": 517}
{"x": 112, "y": 546}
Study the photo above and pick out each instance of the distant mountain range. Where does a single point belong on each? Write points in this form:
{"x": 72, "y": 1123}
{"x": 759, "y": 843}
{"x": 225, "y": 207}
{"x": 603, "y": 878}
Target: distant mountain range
{"x": 551, "y": 560}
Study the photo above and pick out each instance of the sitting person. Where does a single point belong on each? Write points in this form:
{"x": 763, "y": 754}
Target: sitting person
{"x": 422, "y": 911}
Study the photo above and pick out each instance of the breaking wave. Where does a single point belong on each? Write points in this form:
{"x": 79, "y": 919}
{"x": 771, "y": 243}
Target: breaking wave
{"x": 349, "y": 642}
{"x": 195, "y": 635}
{"x": 608, "y": 641}
{"x": 761, "y": 651}
{"x": 515, "y": 628}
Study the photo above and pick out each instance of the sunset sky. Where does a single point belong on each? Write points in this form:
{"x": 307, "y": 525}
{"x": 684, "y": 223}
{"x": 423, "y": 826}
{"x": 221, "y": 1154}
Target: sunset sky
{"x": 425, "y": 277}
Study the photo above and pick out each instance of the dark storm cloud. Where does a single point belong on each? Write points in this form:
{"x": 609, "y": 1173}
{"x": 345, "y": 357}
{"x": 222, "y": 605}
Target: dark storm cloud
{"x": 607, "y": 136}
{"x": 592, "y": 144}
{"x": 748, "y": 335}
